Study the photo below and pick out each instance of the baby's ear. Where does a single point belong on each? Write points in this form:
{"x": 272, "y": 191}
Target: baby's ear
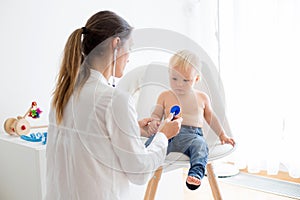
{"x": 197, "y": 78}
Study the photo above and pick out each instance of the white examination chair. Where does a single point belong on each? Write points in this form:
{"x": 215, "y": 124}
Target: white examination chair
{"x": 145, "y": 84}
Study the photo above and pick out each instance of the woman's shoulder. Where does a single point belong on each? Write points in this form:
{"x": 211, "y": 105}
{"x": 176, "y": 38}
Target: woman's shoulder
{"x": 112, "y": 95}
{"x": 120, "y": 95}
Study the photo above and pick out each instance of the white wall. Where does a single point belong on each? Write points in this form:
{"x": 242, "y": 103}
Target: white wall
{"x": 33, "y": 34}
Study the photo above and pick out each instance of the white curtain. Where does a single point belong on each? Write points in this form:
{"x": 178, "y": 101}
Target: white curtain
{"x": 260, "y": 45}
{"x": 255, "y": 45}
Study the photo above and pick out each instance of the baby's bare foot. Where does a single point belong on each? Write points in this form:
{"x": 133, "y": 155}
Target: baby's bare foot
{"x": 193, "y": 180}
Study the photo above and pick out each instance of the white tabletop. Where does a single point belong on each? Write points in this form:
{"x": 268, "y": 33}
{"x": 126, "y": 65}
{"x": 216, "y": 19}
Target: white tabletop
{"x": 17, "y": 140}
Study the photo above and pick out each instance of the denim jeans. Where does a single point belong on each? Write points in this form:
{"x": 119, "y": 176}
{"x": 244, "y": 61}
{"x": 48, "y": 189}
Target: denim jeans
{"x": 190, "y": 141}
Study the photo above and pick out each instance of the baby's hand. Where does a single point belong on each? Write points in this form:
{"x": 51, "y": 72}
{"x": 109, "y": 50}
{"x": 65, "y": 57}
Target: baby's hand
{"x": 153, "y": 127}
{"x": 225, "y": 139}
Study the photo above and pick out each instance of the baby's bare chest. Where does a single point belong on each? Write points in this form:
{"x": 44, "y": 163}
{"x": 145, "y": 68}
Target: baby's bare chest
{"x": 190, "y": 104}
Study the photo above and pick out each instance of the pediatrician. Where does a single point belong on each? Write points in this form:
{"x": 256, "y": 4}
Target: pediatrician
{"x": 93, "y": 148}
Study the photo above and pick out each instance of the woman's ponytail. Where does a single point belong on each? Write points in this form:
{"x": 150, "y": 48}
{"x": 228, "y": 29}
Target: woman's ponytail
{"x": 68, "y": 73}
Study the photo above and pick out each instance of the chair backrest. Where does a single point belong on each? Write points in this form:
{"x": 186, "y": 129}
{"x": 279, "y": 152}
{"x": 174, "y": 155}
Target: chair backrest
{"x": 147, "y": 82}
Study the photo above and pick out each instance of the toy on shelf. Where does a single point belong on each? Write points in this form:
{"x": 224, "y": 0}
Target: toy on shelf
{"x": 20, "y": 125}
{"x": 35, "y": 137}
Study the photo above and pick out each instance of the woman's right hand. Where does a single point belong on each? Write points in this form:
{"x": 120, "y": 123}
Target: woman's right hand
{"x": 170, "y": 127}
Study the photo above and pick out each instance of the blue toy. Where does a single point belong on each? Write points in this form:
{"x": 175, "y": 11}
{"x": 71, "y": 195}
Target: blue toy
{"x": 35, "y": 137}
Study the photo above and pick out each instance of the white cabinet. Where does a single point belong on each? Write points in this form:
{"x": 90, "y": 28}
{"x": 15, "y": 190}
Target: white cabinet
{"x": 22, "y": 169}
{"x": 23, "y": 173}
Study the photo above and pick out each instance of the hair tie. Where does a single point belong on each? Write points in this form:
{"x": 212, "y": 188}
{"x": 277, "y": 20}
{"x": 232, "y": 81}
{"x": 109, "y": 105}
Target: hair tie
{"x": 84, "y": 31}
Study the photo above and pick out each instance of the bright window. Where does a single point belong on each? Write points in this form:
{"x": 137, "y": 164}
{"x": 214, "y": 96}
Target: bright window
{"x": 260, "y": 64}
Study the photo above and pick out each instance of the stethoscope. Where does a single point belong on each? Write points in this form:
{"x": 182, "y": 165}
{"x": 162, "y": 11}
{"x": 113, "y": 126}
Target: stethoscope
{"x": 175, "y": 110}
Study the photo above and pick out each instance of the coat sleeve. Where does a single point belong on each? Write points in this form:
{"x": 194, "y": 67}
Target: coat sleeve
{"x": 136, "y": 161}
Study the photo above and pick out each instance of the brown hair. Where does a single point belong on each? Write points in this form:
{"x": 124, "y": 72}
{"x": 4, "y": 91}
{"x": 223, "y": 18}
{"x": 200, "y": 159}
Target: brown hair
{"x": 98, "y": 28}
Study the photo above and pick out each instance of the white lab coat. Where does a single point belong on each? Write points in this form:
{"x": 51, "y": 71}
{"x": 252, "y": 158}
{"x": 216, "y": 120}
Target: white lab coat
{"x": 97, "y": 150}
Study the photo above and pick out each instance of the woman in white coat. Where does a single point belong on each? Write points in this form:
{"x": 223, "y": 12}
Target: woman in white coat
{"x": 93, "y": 146}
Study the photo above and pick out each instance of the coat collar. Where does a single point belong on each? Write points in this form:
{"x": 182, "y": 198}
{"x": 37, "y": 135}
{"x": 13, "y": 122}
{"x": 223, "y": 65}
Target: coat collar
{"x": 98, "y": 75}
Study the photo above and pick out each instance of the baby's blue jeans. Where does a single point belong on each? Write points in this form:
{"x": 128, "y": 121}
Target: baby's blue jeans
{"x": 191, "y": 142}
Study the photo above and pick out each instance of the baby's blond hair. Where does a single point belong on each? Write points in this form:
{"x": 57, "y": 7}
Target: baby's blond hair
{"x": 185, "y": 59}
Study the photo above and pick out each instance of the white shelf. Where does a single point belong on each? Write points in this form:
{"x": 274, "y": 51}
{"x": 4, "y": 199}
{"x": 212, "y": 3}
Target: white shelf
{"x": 22, "y": 168}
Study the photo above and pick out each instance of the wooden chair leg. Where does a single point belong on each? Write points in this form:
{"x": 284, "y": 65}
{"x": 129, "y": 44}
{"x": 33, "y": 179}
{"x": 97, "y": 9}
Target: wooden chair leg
{"x": 152, "y": 185}
{"x": 213, "y": 182}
